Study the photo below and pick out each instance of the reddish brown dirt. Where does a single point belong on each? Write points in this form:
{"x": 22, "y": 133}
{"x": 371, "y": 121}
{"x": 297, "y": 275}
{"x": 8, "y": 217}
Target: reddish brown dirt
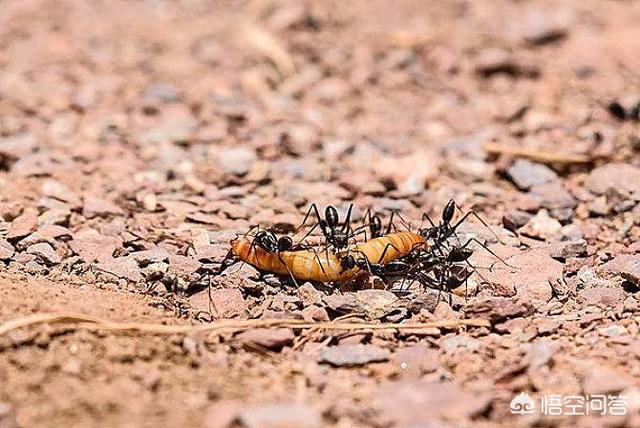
{"x": 137, "y": 138}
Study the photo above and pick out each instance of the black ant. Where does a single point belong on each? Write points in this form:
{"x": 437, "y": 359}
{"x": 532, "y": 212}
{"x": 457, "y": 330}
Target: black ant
{"x": 267, "y": 240}
{"x": 440, "y": 233}
{"x": 335, "y": 235}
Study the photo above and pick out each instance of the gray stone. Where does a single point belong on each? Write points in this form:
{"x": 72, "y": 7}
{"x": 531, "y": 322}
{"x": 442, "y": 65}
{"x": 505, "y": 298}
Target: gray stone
{"x": 287, "y": 415}
{"x": 413, "y": 402}
{"x": 270, "y": 338}
{"x": 45, "y": 253}
{"x": 621, "y": 177}
{"x": 526, "y": 174}
{"x": 353, "y": 355}
{"x": 627, "y": 266}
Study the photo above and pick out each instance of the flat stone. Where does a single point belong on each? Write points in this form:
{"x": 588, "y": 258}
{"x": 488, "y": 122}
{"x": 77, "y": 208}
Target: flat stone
{"x": 212, "y": 253}
{"x": 7, "y": 416}
{"x": 236, "y": 160}
{"x": 96, "y": 207}
{"x": 121, "y": 267}
{"x": 566, "y": 249}
{"x": 270, "y": 338}
{"x": 511, "y": 326}
{"x": 182, "y": 265}
{"x": 199, "y": 238}
{"x": 227, "y": 303}
{"x": 526, "y": 174}
{"x": 315, "y": 313}
{"x": 415, "y": 360}
{"x": 353, "y": 355}
{"x": 599, "y": 206}
{"x": 155, "y": 255}
{"x": 376, "y": 303}
{"x": 497, "y": 309}
{"x": 45, "y": 234}
{"x": 287, "y": 415}
{"x": 604, "y": 381}
{"x": 542, "y": 226}
{"x": 529, "y": 275}
{"x": 547, "y": 326}
{"x": 540, "y": 27}
{"x": 417, "y": 402}
{"x": 428, "y": 300}
{"x": 454, "y": 342}
{"x": 23, "y": 225}
{"x": 57, "y": 190}
{"x": 602, "y": 296}
{"x": 540, "y": 354}
{"x": 553, "y": 195}
{"x": 627, "y": 266}
{"x": 91, "y": 246}
{"x": 612, "y": 331}
{"x": 309, "y": 294}
{"x": 342, "y": 303}
{"x": 621, "y": 177}
{"x": 55, "y": 216}
{"x": 515, "y": 219}
{"x": 6, "y": 249}
{"x": 45, "y": 253}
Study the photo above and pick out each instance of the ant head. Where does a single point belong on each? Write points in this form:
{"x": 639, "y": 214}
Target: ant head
{"x": 448, "y": 212}
{"x": 285, "y": 243}
{"x": 331, "y": 215}
{"x": 267, "y": 240}
{"x": 347, "y": 262}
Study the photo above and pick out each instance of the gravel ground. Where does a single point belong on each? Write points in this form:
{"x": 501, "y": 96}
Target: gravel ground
{"x": 138, "y": 137}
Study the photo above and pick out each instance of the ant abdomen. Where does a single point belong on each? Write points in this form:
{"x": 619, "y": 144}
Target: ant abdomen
{"x": 449, "y": 211}
{"x": 331, "y": 216}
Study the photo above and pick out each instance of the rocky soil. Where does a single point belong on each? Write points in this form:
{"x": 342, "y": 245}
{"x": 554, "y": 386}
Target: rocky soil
{"x": 138, "y": 137}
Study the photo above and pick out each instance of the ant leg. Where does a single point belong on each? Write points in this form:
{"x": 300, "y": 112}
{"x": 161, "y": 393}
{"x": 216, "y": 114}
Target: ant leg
{"x": 289, "y": 271}
{"x": 474, "y": 214}
{"x": 384, "y": 252}
{"x": 488, "y": 250}
{"x": 357, "y": 232}
{"x": 312, "y": 209}
{"x": 346, "y": 226}
{"x": 322, "y": 267}
{"x": 475, "y": 269}
{"x": 309, "y": 233}
{"x": 250, "y": 229}
{"x": 390, "y": 225}
{"x": 227, "y": 257}
{"x": 402, "y": 221}
{"x": 426, "y": 216}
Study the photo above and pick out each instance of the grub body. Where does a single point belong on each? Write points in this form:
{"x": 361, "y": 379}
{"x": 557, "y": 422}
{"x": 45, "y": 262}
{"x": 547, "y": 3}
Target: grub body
{"x": 307, "y": 265}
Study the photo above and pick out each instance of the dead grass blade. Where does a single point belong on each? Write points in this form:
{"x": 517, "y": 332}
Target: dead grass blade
{"x": 542, "y": 156}
{"x": 87, "y": 322}
{"x": 269, "y": 46}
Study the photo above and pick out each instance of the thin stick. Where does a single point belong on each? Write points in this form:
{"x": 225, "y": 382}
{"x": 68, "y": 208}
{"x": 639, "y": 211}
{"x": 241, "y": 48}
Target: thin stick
{"x": 88, "y": 322}
{"x": 536, "y": 154}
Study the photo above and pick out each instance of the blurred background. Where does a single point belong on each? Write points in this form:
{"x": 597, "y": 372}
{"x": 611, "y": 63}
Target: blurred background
{"x": 321, "y": 100}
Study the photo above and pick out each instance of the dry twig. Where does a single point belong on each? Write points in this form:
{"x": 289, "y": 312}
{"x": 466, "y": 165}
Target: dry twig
{"x": 81, "y": 321}
{"x": 537, "y": 155}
